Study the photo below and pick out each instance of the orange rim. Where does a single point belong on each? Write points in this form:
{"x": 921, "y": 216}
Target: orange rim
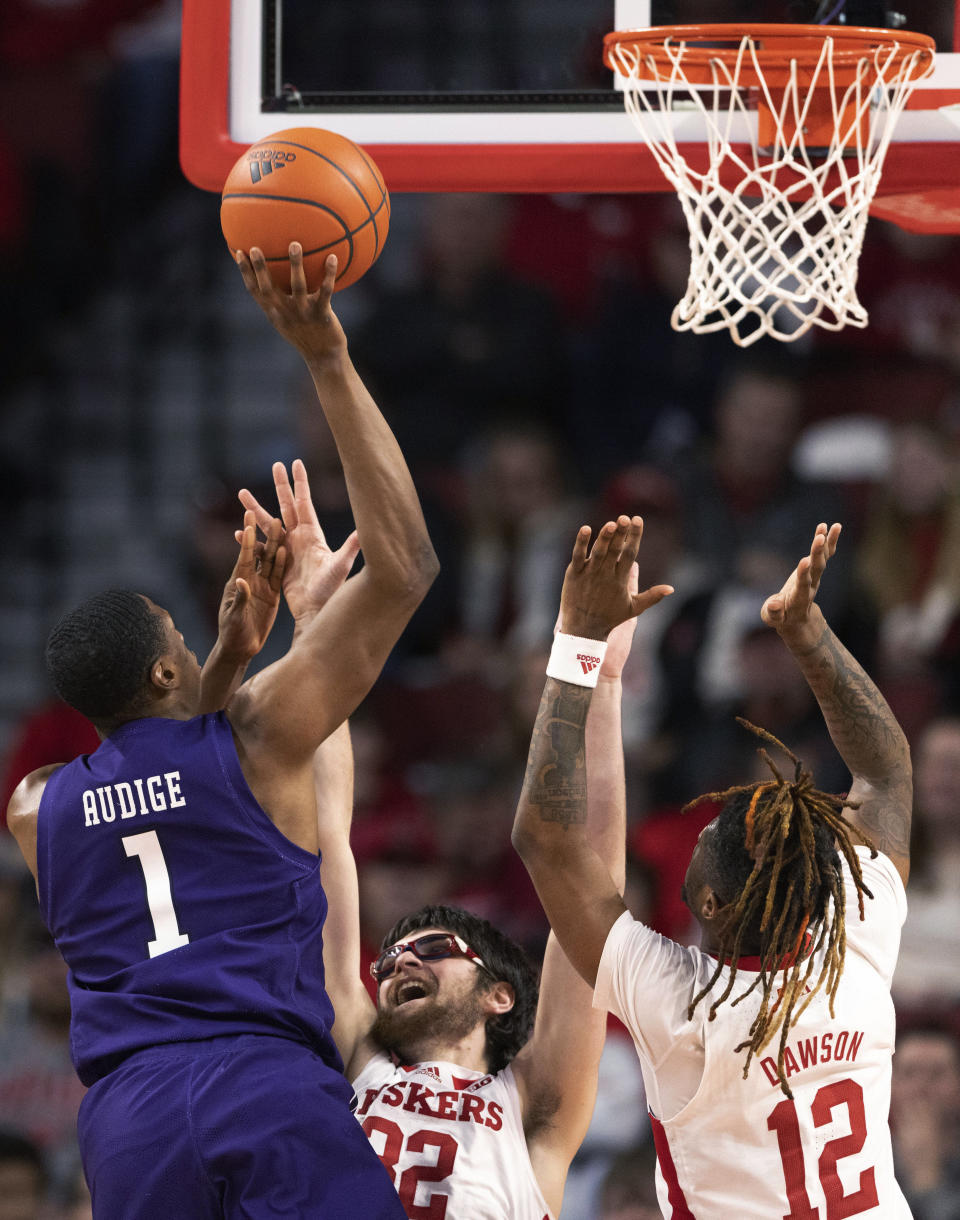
{"x": 776, "y": 47}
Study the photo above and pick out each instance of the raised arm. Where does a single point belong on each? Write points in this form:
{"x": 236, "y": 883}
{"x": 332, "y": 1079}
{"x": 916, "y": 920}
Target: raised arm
{"x": 606, "y": 778}
{"x": 354, "y": 1009}
{"x": 313, "y": 573}
{"x": 861, "y": 724}
{"x": 581, "y": 898}
{"x": 284, "y": 713}
{"x": 558, "y": 1066}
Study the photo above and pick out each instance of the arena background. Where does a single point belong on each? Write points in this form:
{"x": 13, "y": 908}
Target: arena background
{"x": 534, "y": 382}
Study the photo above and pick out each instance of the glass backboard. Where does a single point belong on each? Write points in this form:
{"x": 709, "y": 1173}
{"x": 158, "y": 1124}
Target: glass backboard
{"x": 504, "y": 95}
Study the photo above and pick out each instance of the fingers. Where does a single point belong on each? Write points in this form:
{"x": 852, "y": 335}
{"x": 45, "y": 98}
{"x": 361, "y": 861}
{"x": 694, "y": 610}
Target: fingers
{"x": 601, "y": 546}
{"x": 258, "y": 547}
{"x": 822, "y": 548}
{"x": 278, "y": 569}
{"x": 773, "y": 609}
{"x": 579, "y": 558}
{"x": 817, "y": 556}
{"x": 792, "y": 603}
{"x": 286, "y": 497}
{"x": 825, "y": 539}
{"x": 619, "y": 541}
{"x": 649, "y": 597}
{"x": 609, "y": 578}
{"x": 272, "y": 547}
{"x": 261, "y": 271}
{"x": 247, "y": 559}
{"x": 241, "y": 595}
{"x": 347, "y": 554}
{"x": 246, "y": 271}
{"x": 298, "y": 278}
{"x": 301, "y": 492}
{"x": 630, "y": 530}
{"x": 252, "y": 504}
{"x": 329, "y": 279}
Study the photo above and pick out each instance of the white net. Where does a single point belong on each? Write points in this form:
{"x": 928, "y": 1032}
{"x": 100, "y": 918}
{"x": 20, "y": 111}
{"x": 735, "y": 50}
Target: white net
{"x": 776, "y": 228}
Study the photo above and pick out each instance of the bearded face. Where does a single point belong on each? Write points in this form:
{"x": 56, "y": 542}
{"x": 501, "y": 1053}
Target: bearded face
{"x": 419, "y": 1004}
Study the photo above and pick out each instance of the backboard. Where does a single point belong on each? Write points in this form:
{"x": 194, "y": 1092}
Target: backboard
{"x": 501, "y": 95}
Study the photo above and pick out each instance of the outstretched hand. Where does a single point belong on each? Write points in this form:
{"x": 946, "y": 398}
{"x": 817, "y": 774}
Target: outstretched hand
{"x": 251, "y": 597}
{"x": 620, "y": 639}
{"x": 791, "y": 607}
{"x": 313, "y": 572}
{"x": 597, "y": 594}
{"x": 305, "y": 319}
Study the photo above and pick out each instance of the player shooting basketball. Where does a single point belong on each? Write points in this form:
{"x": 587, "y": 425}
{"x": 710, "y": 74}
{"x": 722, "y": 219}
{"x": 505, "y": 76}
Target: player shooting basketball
{"x": 475, "y": 1093}
{"x": 800, "y": 922}
{"x": 177, "y": 865}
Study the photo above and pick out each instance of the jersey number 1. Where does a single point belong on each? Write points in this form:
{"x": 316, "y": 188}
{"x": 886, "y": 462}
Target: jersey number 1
{"x": 783, "y": 1120}
{"x": 166, "y": 930}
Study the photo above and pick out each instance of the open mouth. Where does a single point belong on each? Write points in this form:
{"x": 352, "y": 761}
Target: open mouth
{"x": 409, "y": 989}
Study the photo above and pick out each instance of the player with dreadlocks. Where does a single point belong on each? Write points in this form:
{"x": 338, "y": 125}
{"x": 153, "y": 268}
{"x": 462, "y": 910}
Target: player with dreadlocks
{"x": 776, "y": 849}
{"x": 766, "y": 1052}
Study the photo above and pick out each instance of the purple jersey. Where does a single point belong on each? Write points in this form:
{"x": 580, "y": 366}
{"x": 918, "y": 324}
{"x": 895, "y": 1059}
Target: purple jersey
{"x": 182, "y": 912}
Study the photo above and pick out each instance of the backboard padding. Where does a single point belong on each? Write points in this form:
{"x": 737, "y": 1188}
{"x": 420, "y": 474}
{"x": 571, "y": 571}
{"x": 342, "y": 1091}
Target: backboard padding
{"x": 576, "y": 150}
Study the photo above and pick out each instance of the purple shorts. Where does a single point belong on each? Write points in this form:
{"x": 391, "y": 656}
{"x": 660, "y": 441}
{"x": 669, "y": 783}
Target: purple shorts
{"x": 246, "y": 1128}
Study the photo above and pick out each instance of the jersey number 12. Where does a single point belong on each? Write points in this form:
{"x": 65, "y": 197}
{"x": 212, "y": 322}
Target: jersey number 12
{"x": 783, "y": 1120}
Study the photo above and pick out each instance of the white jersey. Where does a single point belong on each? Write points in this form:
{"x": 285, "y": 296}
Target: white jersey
{"x": 452, "y": 1140}
{"x": 735, "y": 1149}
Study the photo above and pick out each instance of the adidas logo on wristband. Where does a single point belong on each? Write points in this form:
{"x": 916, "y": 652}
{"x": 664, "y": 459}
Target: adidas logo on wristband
{"x": 576, "y": 659}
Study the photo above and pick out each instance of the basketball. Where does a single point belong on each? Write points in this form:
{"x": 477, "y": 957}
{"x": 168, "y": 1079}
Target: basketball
{"x": 312, "y": 186}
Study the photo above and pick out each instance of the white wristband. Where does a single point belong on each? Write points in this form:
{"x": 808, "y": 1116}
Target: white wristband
{"x": 575, "y": 659}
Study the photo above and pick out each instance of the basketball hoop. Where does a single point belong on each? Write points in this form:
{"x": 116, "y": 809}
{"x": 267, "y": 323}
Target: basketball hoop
{"x": 798, "y": 120}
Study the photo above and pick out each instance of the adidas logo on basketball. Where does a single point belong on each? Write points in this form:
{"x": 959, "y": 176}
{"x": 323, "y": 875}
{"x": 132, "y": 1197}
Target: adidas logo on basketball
{"x": 587, "y": 663}
{"x": 263, "y": 161}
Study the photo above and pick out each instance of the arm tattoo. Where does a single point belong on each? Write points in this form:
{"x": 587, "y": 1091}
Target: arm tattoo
{"x": 555, "y": 784}
{"x": 869, "y": 740}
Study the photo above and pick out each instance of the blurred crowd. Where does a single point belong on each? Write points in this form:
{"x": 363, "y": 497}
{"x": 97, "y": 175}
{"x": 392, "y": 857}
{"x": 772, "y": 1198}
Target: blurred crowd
{"x": 521, "y": 348}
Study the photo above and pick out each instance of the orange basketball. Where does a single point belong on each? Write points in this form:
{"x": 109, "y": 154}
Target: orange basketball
{"x": 311, "y": 186}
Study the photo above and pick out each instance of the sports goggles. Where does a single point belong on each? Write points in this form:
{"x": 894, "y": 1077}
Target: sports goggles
{"x": 428, "y": 948}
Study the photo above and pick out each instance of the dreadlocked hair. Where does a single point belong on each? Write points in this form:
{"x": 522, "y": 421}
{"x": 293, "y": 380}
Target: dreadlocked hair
{"x": 776, "y": 864}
